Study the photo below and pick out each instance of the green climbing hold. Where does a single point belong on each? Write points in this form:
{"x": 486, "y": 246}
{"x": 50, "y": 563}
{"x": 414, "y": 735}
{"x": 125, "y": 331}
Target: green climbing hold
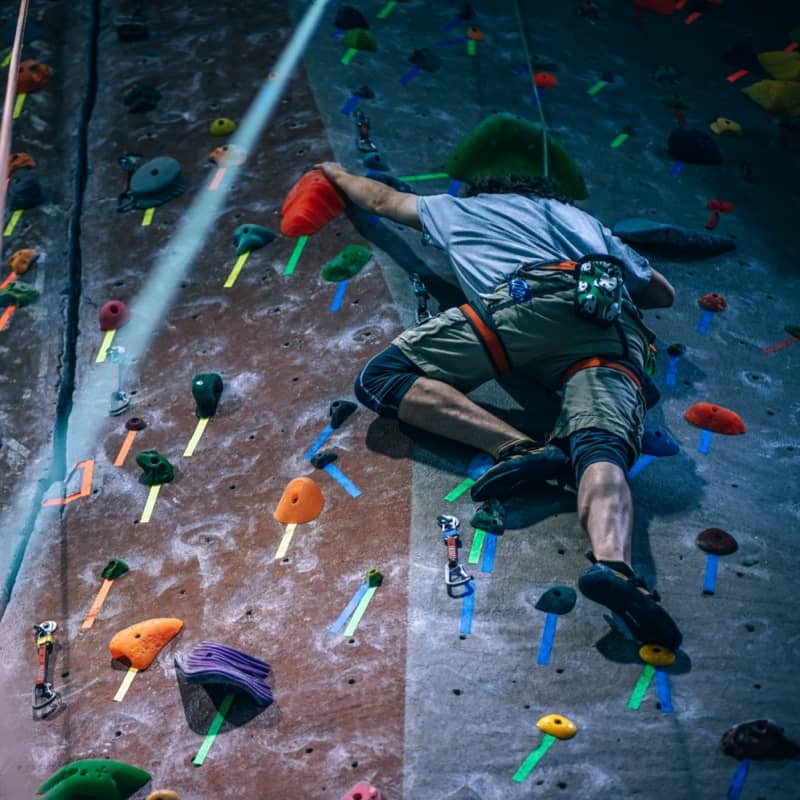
{"x": 506, "y": 144}
{"x": 17, "y": 294}
{"x": 222, "y": 127}
{"x": 207, "y": 389}
{"x": 99, "y": 778}
{"x": 156, "y": 468}
{"x": 557, "y": 600}
{"x": 360, "y": 39}
{"x": 374, "y": 578}
{"x": 115, "y": 568}
{"x": 347, "y": 264}
{"x": 250, "y": 237}
{"x": 792, "y": 330}
{"x": 490, "y": 517}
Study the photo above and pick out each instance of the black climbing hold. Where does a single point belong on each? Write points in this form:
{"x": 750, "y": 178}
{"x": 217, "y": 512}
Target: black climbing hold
{"x": 340, "y": 410}
{"x": 693, "y": 146}
{"x": 758, "y": 739}
{"x": 557, "y": 600}
{"x": 323, "y": 458}
{"x": 365, "y": 92}
{"x": 490, "y": 517}
{"x": 141, "y": 97}
{"x": 132, "y": 28}
{"x": 743, "y": 56}
{"x": 135, "y": 424}
{"x": 114, "y": 569}
{"x": 152, "y": 184}
{"x": 676, "y": 349}
{"x": 348, "y": 17}
{"x": 669, "y": 238}
{"x": 24, "y": 190}
{"x": 156, "y": 469}
{"x": 426, "y": 59}
{"x": 376, "y": 161}
{"x": 207, "y": 389}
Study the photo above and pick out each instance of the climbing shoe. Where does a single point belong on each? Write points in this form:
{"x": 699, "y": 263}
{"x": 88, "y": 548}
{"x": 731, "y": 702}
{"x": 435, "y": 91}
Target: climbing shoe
{"x": 628, "y": 597}
{"x": 519, "y": 469}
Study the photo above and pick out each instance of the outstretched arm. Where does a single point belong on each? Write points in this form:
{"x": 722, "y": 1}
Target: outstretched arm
{"x": 657, "y": 294}
{"x": 373, "y": 196}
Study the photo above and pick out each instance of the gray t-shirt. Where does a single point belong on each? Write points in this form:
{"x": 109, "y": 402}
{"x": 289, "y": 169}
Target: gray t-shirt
{"x": 488, "y": 236}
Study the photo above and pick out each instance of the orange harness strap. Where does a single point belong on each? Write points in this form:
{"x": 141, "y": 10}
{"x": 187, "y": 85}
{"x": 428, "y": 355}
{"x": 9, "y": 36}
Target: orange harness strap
{"x": 598, "y": 361}
{"x": 490, "y": 340}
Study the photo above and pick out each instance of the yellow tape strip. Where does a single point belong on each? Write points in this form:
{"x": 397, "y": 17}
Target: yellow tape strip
{"x": 7, "y": 60}
{"x": 97, "y": 605}
{"x": 198, "y": 432}
{"x": 286, "y": 540}
{"x": 103, "y": 351}
{"x": 148, "y": 216}
{"x": 151, "y": 501}
{"x": 237, "y": 268}
{"x": 125, "y": 685}
{"x": 12, "y": 223}
{"x": 18, "y": 105}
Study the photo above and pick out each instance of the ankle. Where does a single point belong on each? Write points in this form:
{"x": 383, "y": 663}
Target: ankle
{"x": 618, "y": 566}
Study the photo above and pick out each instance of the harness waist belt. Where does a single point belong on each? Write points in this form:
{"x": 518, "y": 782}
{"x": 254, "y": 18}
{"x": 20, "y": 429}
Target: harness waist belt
{"x": 489, "y": 338}
{"x": 598, "y": 361}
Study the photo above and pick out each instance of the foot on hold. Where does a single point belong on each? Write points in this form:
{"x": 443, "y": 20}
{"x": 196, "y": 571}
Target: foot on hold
{"x": 620, "y": 590}
{"x": 518, "y": 469}
{"x": 490, "y": 517}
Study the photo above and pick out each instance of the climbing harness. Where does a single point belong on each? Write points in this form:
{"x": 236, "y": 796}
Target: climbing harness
{"x": 364, "y": 143}
{"x": 421, "y": 293}
{"x": 455, "y": 574}
{"x": 599, "y": 288}
{"x": 45, "y": 698}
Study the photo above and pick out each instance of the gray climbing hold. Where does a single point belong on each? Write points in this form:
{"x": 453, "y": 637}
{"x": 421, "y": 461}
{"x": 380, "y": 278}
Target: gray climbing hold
{"x": 672, "y": 238}
{"x": 153, "y": 183}
{"x": 321, "y": 459}
{"x": 557, "y": 600}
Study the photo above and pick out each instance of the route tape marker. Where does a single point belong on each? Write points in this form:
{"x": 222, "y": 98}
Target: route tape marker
{"x": 457, "y": 491}
{"x": 147, "y": 217}
{"x": 359, "y": 612}
{"x": 487, "y": 565}
{"x": 640, "y": 464}
{"x": 217, "y": 179}
{"x": 526, "y": 767}
{"x": 409, "y": 76}
{"x": 467, "y": 610}
{"x": 237, "y": 268}
{"x": 86, "y": 484}
{"x": 640, "y": 690}
{"x": 12, "y": 222}
{"x": 739, "y": 777}
{"x": 125, "y": 685}
{"x": 705, "y": 442}
{"x": 102, "y": 353}
{"x": 286, "y": 540}
{"x": 705, "y": 320}
{"x": 213, "y": 729}
{"x": 149, "y": 505}
{"x": 477, "y": 545}
{"x": 338, "y": 298}
{"x": 349, "y": 608}
{"x": 321, "y": 439}
{"x": 548, "y": 634}
{"x": 710, "y": 579}
{"x": 19, "y": 103}
{"x": 662, "y": 689}
{"x": 343, "y": 480}
{"x": 125, "y": 449}
{"x": 671, "y": 378}
{"x": 295, "y": 257}
{"x": 198, "y": 432}
{"x": 349, "y": 55}
{"x": 348, "y": 107}
{"x": 387, "y": 9}
{"x": 5, "y": 317}
{"x": 97, "y": 604}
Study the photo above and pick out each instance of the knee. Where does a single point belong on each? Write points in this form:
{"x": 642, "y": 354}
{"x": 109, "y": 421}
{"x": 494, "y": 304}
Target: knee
{"x": 384, "y": 380}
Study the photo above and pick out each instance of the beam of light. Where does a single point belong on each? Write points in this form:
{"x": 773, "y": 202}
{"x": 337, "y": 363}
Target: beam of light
{"x": 91, "y": 400}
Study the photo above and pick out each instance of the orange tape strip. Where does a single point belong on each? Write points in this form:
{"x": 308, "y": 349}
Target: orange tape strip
{"x": 693, "y": 17}
{"x": 10, "y": 277}
{"x": 97, "y": 605}
{"x": 6, "y": 316}
{"x": 86, "y": 485}
{"x": 217, "y": 179}
{"x": 125, "y": 449}
{"x": 734, "y": 76}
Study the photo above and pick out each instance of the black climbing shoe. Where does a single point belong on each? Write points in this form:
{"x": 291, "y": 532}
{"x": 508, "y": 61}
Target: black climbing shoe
{"x": 629, "y": 599}
{"x": 518, "y": 471}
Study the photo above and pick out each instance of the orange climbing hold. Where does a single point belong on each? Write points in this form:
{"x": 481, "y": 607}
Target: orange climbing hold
{"x": 475, "y": 33}
{"x": 142, "y": 642}
{"x": 22, "y": 260}
{"x": 715, "y": 418}
{"x": 32, "y": 76}
{"x": 18, "y": 161}
{"x": 311, "y": 203}
{"x": 713, "y": 301}
{"x": 301, "y": 501}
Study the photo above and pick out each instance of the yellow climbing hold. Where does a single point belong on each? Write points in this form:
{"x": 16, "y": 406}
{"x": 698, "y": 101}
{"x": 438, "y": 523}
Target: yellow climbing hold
{"x": 656, "y": 655}
{"x": 558, "y": 726}
{"x": 779, "y": 97}
{"x": 222, "y": 127}
{"x": 726, "y": 127}
{"x": 781, "y": 65}
{"x": 163, "y": 794}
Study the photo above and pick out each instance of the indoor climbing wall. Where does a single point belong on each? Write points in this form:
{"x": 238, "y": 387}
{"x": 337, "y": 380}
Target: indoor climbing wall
{"x": 246, "y": 572}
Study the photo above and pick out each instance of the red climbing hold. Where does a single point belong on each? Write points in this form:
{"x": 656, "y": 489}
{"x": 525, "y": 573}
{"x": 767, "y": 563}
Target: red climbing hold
{"x": 717, "y": 541}
{"x": 663, "y": 7}
{"x": 545, "y": 80}
{"x": 32, "y": 76}
{"x": 711, "y": 301}
{"x": 114, "y": 314}
{"x": 715, "y": 418}
{"x": 363, "y": 791}
{"x": 311, "y": 203}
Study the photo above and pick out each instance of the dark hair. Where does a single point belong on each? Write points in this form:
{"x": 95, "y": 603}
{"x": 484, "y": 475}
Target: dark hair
{"x": 537, "y": 185}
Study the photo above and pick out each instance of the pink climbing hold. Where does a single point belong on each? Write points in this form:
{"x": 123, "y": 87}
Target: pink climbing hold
{"x": 363, "y": 791}
{"x": 114, "y": 314}
{"x": 711, "y": 301}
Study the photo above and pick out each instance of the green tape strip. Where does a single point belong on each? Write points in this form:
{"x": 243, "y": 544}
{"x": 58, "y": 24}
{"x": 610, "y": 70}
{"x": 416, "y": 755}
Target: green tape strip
{"x": 213, "y": 730}
{"x": 477, "y": 546}
{"x": 472, "y": 47}
{"x": 455, "y": 493}
{"x": 619, "y": 140}
{"x": 598, "y": 87}
{"x": 640, "y": 690}
{"x": 359, "y": 612}
{"x": 387, "y": 9}
{"x": 298, "y": 251}
{"x": 427, "y": 176}
{"x": 526, "y": 767}
{"x": 349, "y": 55}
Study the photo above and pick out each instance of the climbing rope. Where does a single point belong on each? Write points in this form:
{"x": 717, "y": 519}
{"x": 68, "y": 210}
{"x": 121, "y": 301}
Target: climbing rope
{"x": 535, "y": 92}
{"x": 8, "y": 108}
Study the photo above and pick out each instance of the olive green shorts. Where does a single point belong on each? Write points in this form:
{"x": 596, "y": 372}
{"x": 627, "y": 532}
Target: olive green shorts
{"x": 542, "y": 337}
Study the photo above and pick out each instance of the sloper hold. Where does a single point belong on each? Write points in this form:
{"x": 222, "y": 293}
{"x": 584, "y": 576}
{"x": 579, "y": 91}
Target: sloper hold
{"x": 557, "y": 600}
{"x": 506, "y": 144}
{"x": 657, "y": 441}
{"x": 115, "y": 568}
{"x": 777, "y": 97}
{"x": 676, "y": 349}
{"x": 339, "y": 411}
{"x": 693, "y": 146}
{"x": 18, "y": 294}
{"x": 156, "y": 469}
{"x": 302, "y": 501}
{"x": 154, "y": 183}
{"x": 717, "y": 541}
{"x": 490, "y": 517}
{"x": 657, "y": 655}
{"x": 22, "y": 260}
{"x": 715, "y": 418}
{"x": 557, "y": 725}
{"x": 347, "y": 264}
{"x": 712, "y": 301}
{"x": 311, "y": 203}
{"x": 99, "y": 778}
{"x": 360, "y": 39}
{"x": 141, "y": 643}
{"x": 348, "y": 17}
{"x": 781, "y": 65}
{"x": 672, "y": 238}
{"x": 206, "y": 390}
{"x": 321, "y": 459}
{"x": 135, "y": 424}
{"x": 758, "y": 739}
{"x": 251, "y": 237}
{"x": 113, "y": 314}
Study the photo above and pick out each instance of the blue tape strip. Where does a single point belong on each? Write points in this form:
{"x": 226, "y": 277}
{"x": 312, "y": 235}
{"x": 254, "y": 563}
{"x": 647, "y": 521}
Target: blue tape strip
{"x": 705, "y": 442}
{"x": 739, "y": 777}
{"x": 349, "y": 608}
{"x": 467, "y": 610}
{"x": 339, "y": 296}
{"x": 548, "y": 634}
{"x": 705, "y": 321}
{"x": 454, "y": 24}
{"x": 320, "y": 441}
{"x": 342, "y": 480}
{"x": 677, "y": 168}
{"x": 489, "y": 548}
{"x": 449, "y": 42}
{"x": 338, "y": 33}
{"x": 662, "y": 689}
{"x": 710, "y": 581}
{"x": 671, "y": 377}
{"x": 350, "y": 104}
{"x": 455, "y": 186}
{"x": 640, "y": 464}
{"x": 409, "y": 76}
{"x": 523, "y": 70}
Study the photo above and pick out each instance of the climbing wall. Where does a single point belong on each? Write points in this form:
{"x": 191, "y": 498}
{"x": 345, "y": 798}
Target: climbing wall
{"x": 424, "y": 695}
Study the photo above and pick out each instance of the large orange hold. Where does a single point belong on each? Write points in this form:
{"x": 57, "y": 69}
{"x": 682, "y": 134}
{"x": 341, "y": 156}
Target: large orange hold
{"x": 311, "y": 203}
{"x": 302, "y": 501}
{"x": 142, "y": 642}
{"x": 715, "y": 418}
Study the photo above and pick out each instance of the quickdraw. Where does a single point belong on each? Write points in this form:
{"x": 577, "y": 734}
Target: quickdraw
{"x": 455, "y": 574}
{"x": 45, "y": 698}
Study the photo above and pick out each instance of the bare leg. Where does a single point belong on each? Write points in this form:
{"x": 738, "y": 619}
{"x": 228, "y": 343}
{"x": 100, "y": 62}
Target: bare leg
{"x": 437, "y": 407}
{"x": 605, "y": 510}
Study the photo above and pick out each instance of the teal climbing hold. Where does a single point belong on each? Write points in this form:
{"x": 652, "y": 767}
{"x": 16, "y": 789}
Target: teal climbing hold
{"x": 207, "y": 390}
{"x": 156, "y": 469}
{"x": 347, "y": 264}
{"x": 99, "y": 778}
{"x": 115, "y": 568}
{"x": 17, "y": 294}
{"x": 250, "y": 237}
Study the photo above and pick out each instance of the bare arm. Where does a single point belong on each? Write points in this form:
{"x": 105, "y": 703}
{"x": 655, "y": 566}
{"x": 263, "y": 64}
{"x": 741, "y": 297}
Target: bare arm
{"x": 373, "y": 196}
{"x": 657, "y": 294}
